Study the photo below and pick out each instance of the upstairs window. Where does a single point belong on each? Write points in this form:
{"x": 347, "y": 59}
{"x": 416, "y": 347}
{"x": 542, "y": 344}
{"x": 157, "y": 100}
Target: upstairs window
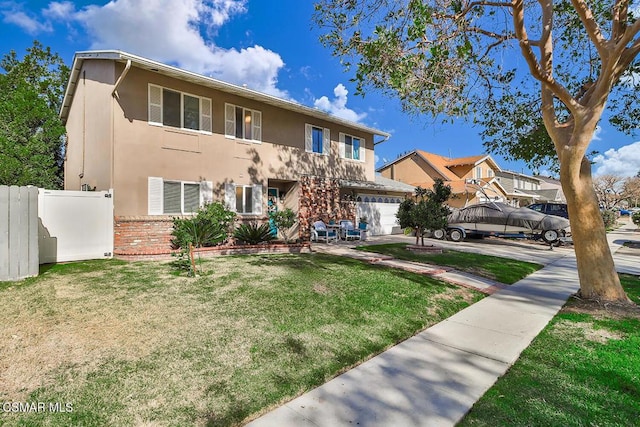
{"x": 478, "y": 172}
{"x": 180, "y": 110}
{"x": 242, "y": 123}
{"x": 317, "y": 139}
{"x": 351, "y": 147}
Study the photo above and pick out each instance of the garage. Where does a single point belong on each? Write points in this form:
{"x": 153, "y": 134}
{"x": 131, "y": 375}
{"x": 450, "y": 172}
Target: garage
{"x": 378, "y": 201}
{"x": 381, "y": 214}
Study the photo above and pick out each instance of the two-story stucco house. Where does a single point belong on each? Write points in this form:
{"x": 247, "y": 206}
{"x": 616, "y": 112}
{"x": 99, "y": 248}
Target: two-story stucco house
{"x": 522, "y": 190}
{"x": 168, "y": 140}
{"x": 472, "y": 179}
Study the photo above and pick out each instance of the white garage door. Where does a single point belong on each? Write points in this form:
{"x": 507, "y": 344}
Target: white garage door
{"x": 381, "y": 216}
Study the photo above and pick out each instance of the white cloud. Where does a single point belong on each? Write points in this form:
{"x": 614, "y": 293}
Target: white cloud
{"x": 596, "y": 134}
{"x": 171, "y": 31}
{"x": 625, "y": 161}
{"x": 59, "y": 10}
{"x": 338, "y": 107}
{"x": 14, "y": 14}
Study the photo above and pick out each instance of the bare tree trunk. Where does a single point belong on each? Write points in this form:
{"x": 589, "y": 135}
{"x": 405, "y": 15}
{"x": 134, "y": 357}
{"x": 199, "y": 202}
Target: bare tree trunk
{"x": 596, "y": 270}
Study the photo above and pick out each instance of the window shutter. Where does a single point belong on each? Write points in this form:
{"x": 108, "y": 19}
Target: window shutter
{"x": 326, "y": 141}
{"x": 205, "y": 115}
{"x": 206, "y": 192}
{"x": 342, "y": 154}
{"x": 230, "y": 197}
{"x": 230, "y": 121}
{"x": 257, "y": 199}
{"x": 308, "y": 138}
{"x": 155, "y": 104}
{"x": 154, "y": 195}
{"x": 362, "y": 150}
{"x": 257, "y": 125}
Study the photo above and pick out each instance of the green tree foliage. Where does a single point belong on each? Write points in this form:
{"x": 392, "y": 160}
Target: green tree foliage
{"x": 284, "y": 220}
{"x": 427, "y": 211}
{"x": 31, "y": 132}
{"x": 536, "y": 75}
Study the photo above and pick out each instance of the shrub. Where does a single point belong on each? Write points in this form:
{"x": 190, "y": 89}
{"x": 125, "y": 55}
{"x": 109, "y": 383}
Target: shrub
{"x": 210, "y": 226}
{"x": 609, "y": 218}
{"x": 427, "y": 211}
{"x": 252, "y": 233}
{"x": 284, "y": 220}
{"x": 636, "y": 218}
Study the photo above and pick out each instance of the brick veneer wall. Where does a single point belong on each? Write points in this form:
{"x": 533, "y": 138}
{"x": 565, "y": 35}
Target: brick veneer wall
{"x": 142, "y": 234}
{"x": 320, "y": 199}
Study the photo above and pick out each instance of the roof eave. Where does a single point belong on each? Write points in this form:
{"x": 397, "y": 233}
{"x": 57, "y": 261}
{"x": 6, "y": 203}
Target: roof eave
{"x": 172, "y": 71}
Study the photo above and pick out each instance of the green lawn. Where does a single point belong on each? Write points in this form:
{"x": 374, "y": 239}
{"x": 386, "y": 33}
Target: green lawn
{"x": 582, "y": 370}
{"x": 503, "y": 270}
{"x": 136, "y": 344}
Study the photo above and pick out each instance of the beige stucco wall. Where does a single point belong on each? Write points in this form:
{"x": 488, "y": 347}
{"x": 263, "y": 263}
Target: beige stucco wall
{"x": 89, "y": 128}
{"x": 411, "y": 170}
{"x": 142, "y": 150}
{"x": 469, "y": 171}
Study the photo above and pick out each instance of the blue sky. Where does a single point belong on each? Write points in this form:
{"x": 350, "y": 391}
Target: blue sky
{"x": 270, "y": 46}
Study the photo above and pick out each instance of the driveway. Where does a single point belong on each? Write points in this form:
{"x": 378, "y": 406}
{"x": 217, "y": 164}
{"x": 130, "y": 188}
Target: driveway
{"x": 522, "y": 250}
{"x": 627, "y": 259}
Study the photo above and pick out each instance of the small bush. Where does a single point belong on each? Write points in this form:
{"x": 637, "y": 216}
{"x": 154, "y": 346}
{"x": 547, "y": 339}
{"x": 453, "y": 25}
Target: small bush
{"x": 636, "y": 218}
{"x": 252, "y": 233}
{"x": 284, "y": 220}
{"x": 609, "y": 218}
{"x": 210, "y": 226}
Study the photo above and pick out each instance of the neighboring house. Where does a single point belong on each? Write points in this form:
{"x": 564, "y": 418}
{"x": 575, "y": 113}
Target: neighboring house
{"x": 472, "y": 179}
{"x": 168, "y": 140}
{"x": 550, "y": 190}
{"x": 522, "y": 190}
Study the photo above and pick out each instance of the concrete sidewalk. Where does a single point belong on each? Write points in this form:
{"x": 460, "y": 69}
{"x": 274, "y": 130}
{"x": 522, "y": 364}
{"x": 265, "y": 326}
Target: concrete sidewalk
{"x": 435, "y": 377}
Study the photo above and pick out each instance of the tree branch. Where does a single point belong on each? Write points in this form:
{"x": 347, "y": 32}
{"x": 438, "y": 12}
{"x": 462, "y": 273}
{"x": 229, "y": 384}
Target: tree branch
{"x": 545, "y": 75}
{"x": 619, "y": 19}
{"x": 591, "y": 26}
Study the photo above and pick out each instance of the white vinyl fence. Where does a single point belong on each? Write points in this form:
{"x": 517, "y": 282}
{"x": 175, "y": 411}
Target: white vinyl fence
{"x": 75, "y": 225}
{"x": 18, "y": 232}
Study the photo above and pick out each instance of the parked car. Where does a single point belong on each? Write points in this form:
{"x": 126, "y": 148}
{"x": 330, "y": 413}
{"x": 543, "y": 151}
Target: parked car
{"x": 624, "y": 212}
{"x": 499, "y": 219}
{"x": 551, "y": 208}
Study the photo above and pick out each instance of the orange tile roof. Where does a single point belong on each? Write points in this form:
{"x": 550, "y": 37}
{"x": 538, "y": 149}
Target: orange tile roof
{"x": 471, "y": 160}
{"x": 440, "y": 164}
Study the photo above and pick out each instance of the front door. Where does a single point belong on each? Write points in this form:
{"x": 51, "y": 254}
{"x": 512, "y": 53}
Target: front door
{"x": 273, "y": 195}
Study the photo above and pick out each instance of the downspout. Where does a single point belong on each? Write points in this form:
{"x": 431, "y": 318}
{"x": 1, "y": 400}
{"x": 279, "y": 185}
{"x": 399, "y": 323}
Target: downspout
{"x": 115, "y": 94}
{"x": 121, "y": 78}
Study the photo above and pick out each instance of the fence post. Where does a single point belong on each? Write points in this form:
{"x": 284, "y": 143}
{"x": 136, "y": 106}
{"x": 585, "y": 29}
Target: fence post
{"x": 18, "y": 232}
{"x": 4, "y": 232}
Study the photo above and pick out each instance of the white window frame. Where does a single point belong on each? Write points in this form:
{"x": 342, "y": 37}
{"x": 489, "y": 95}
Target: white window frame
{"x": 230, "y": 123}
{"x": 155, "y": 109}
{"x": 308, "y": 139}
{"x": 478, "y": 172}
{"x": 343, "y": 147}
{"x": 155, "y": 195}
{"x": 256, "y": 195}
